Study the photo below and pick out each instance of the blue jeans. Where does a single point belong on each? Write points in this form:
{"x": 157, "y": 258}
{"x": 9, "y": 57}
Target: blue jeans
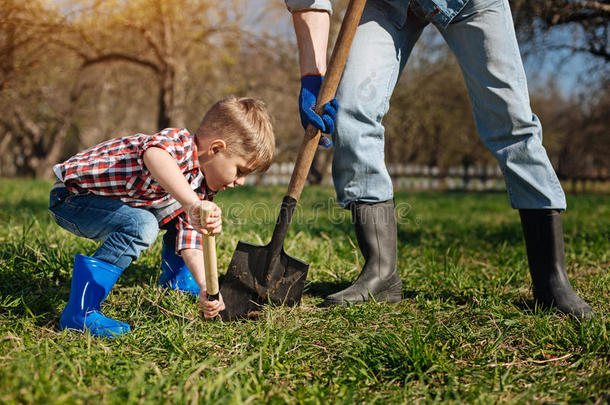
{"x": 124, "y": 230}
{"x": 483, "y": 40}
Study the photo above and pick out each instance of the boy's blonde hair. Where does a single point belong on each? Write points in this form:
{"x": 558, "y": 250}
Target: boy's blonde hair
{"x": 245, "y": 125}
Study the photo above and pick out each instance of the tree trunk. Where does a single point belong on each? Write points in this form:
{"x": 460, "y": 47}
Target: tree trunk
{"x": 166, "y": 98}
{"x": 45, "y": 166}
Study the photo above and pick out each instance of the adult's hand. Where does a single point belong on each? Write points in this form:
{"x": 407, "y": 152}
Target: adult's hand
{"x": 310, "y": 87}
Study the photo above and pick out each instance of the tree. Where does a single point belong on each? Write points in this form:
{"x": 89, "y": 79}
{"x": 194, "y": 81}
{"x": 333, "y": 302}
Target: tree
{"x": 576, "y": 131}
{"x": 578, "y": 26}
{"x": 585, "y": 151}
{"x": 107, "y": 49}
{"x": 37, "y": 97}
{"x": 159, "y": 36}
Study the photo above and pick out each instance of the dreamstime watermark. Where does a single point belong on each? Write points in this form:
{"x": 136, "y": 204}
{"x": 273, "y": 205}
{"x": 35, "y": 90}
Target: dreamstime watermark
{"x": 266, "y": 213}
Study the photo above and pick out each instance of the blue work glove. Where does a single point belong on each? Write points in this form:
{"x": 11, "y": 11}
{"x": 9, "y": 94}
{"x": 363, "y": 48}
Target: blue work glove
{"x": 310, "y": 87}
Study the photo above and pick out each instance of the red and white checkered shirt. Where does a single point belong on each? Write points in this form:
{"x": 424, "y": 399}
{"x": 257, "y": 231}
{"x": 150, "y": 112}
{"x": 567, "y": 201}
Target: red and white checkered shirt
{"x": 116, "y": 168}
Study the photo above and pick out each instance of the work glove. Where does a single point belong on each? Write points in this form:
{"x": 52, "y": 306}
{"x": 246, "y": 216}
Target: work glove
{"x": 310, "y": 87}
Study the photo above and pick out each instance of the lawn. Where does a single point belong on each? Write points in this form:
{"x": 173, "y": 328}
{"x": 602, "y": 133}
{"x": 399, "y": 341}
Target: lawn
{"x": 466, "y": 330}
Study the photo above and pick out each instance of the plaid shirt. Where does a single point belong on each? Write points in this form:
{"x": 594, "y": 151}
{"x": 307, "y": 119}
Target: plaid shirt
{"x": 116, "y": 169}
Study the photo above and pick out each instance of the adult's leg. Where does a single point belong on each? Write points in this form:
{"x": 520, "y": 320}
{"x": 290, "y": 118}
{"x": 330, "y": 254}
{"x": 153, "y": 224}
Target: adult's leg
{"x": 483, "y": 39}
{"x": 377, "y": 56}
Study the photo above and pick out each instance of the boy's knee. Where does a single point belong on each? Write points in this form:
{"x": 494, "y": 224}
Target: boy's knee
{"x": 144, "y": 226}
{"x": 149, "y": 233}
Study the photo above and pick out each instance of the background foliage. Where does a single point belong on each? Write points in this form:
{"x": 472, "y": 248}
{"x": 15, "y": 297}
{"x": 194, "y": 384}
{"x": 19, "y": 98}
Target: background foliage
{"x": 76, "y": 72}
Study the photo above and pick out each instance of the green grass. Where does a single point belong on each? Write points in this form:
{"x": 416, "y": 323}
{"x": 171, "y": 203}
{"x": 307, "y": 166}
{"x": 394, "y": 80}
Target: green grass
{"x": 465, "y": 332}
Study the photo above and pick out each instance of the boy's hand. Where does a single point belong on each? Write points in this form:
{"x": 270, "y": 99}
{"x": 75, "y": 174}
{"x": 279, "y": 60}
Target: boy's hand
{"x": 212, "y": 226}
{"x": 210, "y": 309}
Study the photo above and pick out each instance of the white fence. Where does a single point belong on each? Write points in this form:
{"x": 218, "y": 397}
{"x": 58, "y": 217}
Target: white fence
{"x": 407, "y": 177}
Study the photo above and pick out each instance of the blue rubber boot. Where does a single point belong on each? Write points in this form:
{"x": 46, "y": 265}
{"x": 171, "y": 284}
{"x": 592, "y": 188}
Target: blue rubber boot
{"x": 176, "y": 274}
{"x": 92, "y": 280}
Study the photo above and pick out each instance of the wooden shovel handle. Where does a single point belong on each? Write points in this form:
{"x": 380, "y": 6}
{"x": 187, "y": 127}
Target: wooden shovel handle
{"x": 327, "y": 92}
{"x": 209, "y": 254}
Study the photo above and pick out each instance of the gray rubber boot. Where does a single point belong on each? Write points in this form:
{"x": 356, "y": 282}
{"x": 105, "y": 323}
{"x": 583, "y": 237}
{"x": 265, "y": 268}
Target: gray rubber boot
{"x": 543, "y": 233}
{"x": 375, "y": 226}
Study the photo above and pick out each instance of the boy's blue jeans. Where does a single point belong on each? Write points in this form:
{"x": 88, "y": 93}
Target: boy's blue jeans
{"x": 483, "y": 40}
{"x": 124, "y": 230}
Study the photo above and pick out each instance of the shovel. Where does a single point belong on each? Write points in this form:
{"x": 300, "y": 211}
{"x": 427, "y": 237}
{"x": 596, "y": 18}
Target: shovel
{"x": 209, "y": 255}
{"x": 258, "y": 275}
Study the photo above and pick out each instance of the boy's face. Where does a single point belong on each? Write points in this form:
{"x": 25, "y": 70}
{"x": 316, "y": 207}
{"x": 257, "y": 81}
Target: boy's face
{"x": 222, "y": 170}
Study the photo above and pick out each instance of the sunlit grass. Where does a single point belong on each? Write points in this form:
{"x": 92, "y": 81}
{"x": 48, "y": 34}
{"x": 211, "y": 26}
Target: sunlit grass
{"x": 465, "y": 332}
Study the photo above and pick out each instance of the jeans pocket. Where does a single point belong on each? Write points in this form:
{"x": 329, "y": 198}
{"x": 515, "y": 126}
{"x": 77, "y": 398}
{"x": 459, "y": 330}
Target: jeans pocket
{"x": 57, "y": 195}
{"x": 66, "y": 224}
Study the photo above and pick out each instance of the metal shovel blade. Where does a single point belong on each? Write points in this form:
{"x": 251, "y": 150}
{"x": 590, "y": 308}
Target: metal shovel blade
{"x": 248, "y": 285}
{"x": 259, "y": 275}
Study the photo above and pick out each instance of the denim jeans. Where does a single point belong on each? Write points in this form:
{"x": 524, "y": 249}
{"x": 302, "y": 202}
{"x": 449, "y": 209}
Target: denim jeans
{"x": 124, "y": 230}
{"x": 482, "y": 37}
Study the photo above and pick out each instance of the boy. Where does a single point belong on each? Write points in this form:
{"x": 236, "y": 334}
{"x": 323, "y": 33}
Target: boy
{"x": 122, "y": 191}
